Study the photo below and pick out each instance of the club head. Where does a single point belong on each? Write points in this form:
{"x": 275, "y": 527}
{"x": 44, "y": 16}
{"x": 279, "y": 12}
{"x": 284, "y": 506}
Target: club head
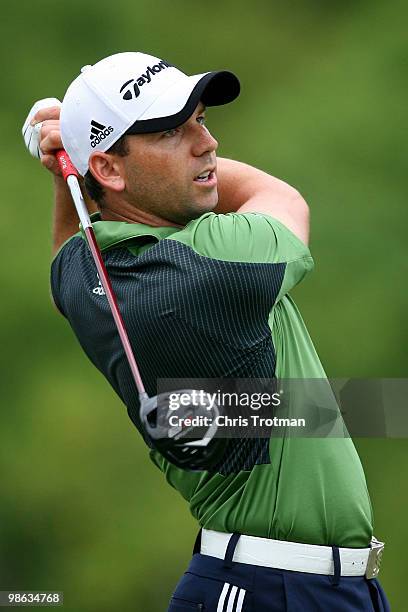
{"x": 183, "y": 430}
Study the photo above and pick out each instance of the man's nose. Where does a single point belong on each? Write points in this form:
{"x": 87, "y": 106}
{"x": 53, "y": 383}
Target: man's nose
{"x": 204, "y": 142}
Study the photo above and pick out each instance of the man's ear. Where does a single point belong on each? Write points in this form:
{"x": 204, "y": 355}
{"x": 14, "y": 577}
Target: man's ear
{"x": 107, "y": 170}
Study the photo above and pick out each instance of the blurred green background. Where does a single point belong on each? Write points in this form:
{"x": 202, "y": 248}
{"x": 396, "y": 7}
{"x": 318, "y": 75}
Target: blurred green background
{"x": 323, "y": 91}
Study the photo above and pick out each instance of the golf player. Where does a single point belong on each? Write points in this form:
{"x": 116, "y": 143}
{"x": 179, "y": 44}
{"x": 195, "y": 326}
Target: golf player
{"x": 202, "y": 254}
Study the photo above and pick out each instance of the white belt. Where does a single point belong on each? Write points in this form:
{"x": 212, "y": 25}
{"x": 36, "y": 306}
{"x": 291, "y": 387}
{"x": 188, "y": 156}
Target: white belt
{"x": 294, "y": 556}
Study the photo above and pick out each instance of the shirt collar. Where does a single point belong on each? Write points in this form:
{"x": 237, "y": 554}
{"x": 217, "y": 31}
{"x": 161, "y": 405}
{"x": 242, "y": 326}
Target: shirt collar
{"x": 111, "y": 233}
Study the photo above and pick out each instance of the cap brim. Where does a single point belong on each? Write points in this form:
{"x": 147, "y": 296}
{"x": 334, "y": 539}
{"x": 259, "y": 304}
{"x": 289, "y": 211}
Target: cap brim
{"x": 212, "y": 89}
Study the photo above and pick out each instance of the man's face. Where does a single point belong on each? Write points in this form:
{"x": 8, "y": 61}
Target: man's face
{"x": 162, "y": 170}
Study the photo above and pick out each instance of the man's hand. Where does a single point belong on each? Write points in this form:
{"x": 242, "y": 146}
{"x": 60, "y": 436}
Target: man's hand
{"x": 41, "y": 132}
{"x": 42, "y": 136}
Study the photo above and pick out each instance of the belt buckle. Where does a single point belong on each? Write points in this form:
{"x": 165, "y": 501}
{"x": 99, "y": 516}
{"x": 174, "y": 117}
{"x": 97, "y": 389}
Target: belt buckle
{"x": 374, "y": 558}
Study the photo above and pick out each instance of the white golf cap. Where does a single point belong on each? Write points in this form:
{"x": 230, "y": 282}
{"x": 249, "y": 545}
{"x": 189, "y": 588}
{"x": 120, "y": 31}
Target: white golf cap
{"x": 135, "y": 93}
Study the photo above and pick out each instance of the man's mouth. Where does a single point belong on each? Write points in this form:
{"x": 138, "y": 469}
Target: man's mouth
{"x": 207, "y": 177}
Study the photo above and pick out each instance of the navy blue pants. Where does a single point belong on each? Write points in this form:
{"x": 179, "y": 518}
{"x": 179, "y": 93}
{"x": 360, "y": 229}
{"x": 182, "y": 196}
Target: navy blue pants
{"x": 216, "y": 585}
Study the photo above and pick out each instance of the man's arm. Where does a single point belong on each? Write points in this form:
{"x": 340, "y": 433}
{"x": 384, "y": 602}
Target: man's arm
{"x": 65, "y": 218}
{"x": 242, "y": 188}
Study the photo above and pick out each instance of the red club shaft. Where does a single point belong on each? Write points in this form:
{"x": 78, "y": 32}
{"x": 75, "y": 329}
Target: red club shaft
{"x": 70, "y": 174}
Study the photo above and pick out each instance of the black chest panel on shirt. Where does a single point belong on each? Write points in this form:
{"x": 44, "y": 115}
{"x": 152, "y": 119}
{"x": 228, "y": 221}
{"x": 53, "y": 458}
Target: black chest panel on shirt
{"x": 187, "y": 316}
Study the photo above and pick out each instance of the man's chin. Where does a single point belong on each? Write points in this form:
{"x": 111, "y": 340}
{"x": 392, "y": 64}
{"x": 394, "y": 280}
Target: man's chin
{"x": 196, "y": 210}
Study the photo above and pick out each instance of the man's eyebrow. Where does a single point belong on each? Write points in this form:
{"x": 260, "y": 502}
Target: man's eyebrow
{"x": 201, "y": 107}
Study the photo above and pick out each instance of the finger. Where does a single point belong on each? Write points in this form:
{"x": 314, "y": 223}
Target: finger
{"x": 47, "y": 161}
{"x": 51, "y": 123}
{"x": 50, "y": 162}
{"x": 51, "y": 112}
{"x": 46, "y": 127}
{"x": 51, "y": 142}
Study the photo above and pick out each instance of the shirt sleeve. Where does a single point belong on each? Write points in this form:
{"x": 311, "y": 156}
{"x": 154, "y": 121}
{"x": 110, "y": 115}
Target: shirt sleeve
{"x": 60, "y": 266}
{"x": 251, "y": 238}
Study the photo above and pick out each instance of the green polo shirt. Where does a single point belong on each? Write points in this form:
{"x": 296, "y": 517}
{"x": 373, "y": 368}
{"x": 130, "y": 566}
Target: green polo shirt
{"x": 212, "y": 300}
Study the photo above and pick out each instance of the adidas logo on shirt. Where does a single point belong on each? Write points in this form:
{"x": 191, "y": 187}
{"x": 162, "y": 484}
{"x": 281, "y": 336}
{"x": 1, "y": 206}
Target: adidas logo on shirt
{"x": 99, "y": 290}
{"x": 99, "y": 132}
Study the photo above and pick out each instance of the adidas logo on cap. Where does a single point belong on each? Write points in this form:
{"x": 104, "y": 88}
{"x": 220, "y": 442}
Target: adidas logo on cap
{"x": 99, "y": 132}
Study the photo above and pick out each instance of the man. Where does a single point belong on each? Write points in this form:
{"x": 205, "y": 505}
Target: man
{"x": 202, "y": 254}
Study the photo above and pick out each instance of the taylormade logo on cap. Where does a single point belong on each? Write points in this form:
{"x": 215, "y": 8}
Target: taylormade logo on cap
{"x": 142, "y": 80}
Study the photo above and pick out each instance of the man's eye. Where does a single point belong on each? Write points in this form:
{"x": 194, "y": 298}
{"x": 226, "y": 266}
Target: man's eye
{"x": 170, "y": 133}
{"x": 201, "y": 120}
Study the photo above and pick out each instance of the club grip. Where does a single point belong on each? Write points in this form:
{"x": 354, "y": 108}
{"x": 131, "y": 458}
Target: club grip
{"x": 65, "y": 164}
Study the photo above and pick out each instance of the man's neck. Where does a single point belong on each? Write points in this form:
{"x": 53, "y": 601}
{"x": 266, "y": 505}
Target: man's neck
{"x": 136, "y": 216}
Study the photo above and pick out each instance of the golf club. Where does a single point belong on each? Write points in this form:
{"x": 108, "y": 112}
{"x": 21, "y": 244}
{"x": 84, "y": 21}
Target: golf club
{"x": 186, "y": 445}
